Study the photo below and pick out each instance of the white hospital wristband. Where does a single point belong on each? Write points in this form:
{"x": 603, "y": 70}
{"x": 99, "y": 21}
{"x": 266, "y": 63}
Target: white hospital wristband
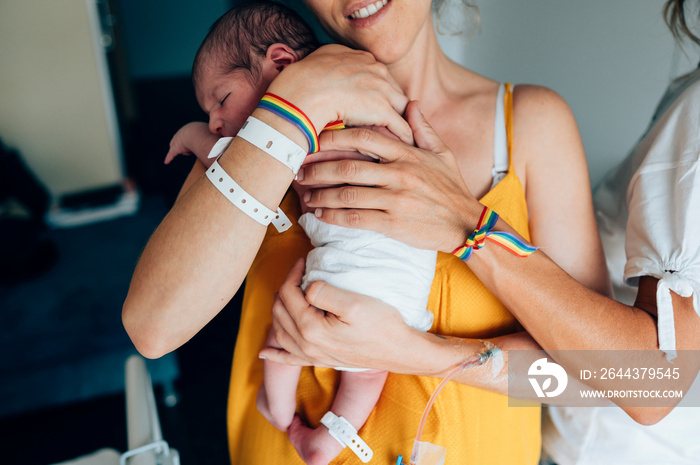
{"x": 244, "y": 201}
{"x": 343, "y": 432}
{"x": 220, "y": 147}
{"x": 270, "y": 141}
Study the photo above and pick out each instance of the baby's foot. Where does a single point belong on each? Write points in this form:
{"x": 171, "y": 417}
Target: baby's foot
{"x": 314, "y": 446}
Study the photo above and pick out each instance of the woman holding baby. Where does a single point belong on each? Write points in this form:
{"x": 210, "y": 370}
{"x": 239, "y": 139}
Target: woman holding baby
{"x": 432, "y": 196}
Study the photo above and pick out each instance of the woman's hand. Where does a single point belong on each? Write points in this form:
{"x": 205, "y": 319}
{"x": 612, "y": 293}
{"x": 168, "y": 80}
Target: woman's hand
{"x": 353, "y": 331}
{"x": 338, "y": 83}
{"x": 415, "y": 194}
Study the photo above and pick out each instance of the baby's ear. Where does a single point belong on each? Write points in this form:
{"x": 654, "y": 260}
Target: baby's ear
{"x": 280, "y": 55}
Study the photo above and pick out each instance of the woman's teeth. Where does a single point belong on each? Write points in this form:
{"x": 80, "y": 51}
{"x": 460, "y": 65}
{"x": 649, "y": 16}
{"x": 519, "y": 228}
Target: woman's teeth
{"x": 369, "y": 10}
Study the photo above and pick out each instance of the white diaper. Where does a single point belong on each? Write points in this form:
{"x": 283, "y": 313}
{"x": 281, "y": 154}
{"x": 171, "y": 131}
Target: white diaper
{"x": 370, "y": 263}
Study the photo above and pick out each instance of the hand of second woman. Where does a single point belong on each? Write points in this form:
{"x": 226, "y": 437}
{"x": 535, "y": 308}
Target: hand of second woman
{"x": 415, "y": 194}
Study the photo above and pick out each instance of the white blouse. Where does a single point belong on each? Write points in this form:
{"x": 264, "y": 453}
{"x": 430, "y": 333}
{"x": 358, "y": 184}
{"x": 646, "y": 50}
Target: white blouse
{"x": 648, "y": 212}
{"x": 661, "y": 207}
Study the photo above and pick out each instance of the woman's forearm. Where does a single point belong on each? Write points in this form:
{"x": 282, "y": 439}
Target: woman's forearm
{"x": 359, "y": 331}
{"x": 198, "y": 257}
{"x": 197, "y": 171}
{"x": 563, "y": 315}
{"x": 558, "y": 311}
{"x": 439, "y": 355}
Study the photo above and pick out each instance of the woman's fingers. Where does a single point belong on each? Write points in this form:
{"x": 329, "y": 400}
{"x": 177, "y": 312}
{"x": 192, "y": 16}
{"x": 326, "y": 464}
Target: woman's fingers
{"x": 297, "y": 325}
{"x": 394, "y": 121}
{"x": 375, "y": 144}
{"x": 348, "y": 332}
{"x": 398, "y": 102}
{"x": 337, "y": 301}
{"x": 294, "y": 277}
{"x": 364, "y": 140}
{"x": 332, "y": 173}
{"x": 283, "y": 357}
{"x": 425, "y": 136}
{"x": 359, "y": 326}
{"x": 373, "y": 220}
{"x": 349, "y": 197}
{"x": 289, "y": 298}
{"x": 292, "y": 301}
{"x": 419, "y": 197}
{"x": 286, "y": 335}
{"x": 291, "y": 308}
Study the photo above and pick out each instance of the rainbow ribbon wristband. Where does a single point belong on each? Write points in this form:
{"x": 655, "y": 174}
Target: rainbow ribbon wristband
{"x": 483, "y": 232}
{"x": 334, "y": 126}
{"x": 281, "y": 107}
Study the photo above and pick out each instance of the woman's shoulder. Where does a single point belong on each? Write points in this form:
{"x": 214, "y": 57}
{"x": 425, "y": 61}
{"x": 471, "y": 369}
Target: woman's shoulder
{"x": 671, "y": 140}
{"x": 541, "y": 117}
{"x": 682, "y": 98}
{"x": 537, "y": 104}
{"x": 546, "y": 140}
{"x": 682, "y": 92}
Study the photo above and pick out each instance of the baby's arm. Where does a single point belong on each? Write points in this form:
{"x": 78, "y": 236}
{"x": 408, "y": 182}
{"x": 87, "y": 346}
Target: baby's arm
{"x": 277, "y": 397}
{"x": 192, "y": 138}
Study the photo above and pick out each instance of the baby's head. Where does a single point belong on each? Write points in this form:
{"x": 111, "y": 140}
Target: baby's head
{"x": 244, "y": 51}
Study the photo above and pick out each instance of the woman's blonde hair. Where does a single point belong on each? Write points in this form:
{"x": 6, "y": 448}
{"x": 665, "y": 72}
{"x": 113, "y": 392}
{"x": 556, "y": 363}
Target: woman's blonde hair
{"x": 676, "y": 19}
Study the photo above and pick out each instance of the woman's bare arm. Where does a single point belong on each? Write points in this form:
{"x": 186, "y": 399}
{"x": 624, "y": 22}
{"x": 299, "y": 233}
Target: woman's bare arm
{"x": 198, "y": 257}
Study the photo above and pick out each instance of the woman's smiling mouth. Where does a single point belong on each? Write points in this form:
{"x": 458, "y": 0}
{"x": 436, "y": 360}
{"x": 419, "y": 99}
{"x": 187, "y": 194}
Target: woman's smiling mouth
{"x": 369, "y": 10}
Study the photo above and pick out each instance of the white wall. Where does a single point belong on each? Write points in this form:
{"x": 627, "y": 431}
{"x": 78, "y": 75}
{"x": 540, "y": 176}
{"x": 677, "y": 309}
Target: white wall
{"x": 56, "y": 105}
{"x": 610, "y": 59}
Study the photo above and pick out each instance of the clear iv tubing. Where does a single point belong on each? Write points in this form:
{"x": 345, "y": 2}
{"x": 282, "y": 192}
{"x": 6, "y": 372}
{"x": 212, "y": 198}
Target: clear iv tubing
{"x": 479, "y": 359}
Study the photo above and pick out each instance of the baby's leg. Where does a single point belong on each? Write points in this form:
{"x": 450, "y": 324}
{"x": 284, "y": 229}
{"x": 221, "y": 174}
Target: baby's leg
{"x": 357, "y": 395}
{"x": 277, "y": 397}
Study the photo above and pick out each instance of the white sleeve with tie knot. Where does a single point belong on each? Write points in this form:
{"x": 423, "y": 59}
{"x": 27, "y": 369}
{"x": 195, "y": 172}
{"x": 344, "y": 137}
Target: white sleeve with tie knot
{"x": 663, "y": 227}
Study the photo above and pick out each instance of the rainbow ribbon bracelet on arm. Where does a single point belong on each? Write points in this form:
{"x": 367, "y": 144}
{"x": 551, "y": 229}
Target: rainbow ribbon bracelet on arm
{"x": 483, "y": 232}
{"x": 290, "y": 112}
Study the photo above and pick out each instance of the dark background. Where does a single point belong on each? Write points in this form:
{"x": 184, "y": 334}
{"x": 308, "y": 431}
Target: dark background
{"x": 86, "y": 270}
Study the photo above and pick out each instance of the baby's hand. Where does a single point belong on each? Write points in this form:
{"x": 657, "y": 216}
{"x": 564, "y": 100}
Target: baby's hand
{"x": 185, "y": 140}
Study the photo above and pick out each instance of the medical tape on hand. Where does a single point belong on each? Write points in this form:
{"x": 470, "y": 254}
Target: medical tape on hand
{"x": 495, "y": 357}
{"x": 244, "y": 201}
{"x": 343, "y": 432}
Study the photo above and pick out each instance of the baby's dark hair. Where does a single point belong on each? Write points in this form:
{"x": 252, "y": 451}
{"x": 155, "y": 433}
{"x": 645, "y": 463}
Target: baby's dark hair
{"x": 245, "y": 32}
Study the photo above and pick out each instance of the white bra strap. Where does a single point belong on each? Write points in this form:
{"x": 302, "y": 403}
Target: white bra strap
{"x": 500, "y": 142}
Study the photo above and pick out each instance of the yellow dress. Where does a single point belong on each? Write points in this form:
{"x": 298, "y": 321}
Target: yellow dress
{"x": 475, "y": 426}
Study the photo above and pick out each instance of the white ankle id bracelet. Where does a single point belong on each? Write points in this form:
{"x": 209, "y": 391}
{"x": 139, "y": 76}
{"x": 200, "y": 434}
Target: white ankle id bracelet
{"x": 343, "y": 432}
